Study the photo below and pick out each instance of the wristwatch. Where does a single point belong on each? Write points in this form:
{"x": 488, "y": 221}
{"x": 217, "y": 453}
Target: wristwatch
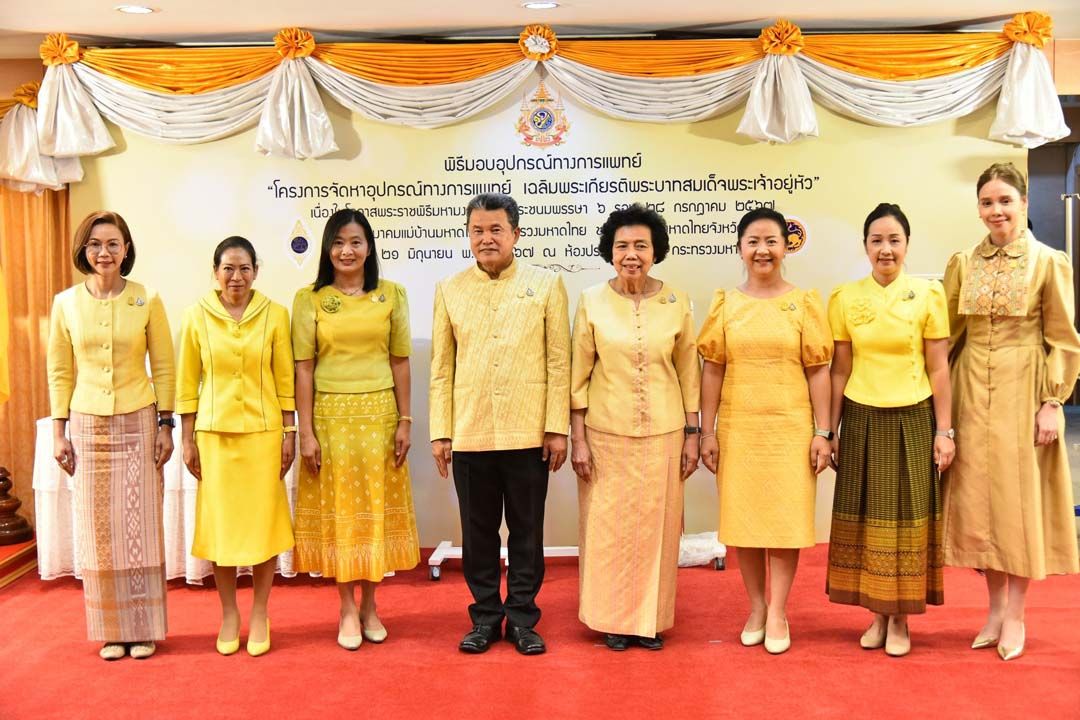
{"x": 827, "y": 434}
{"x": 950, "y": 433}
{"x": 692, "y": 430}
{"x": 166, "y": 422}
{"x": 288, "y": 429}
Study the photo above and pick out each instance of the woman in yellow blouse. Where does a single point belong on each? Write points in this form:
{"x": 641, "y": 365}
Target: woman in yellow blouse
{"x": 121, "y": 433}
{"x": 236, "y": 402}
{"x": 766, "y": 347}
{"x": 634, "y": 427}
{"x": 891, "y": 401}
{"x": 1015, "y": 357}
{"x": 354, "y": 509}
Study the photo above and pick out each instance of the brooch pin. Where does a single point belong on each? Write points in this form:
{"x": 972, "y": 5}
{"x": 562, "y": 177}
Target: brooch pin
{"x": 331, "y": 303}
{"x": 131, "y": 301}
{"x": 671, "y": 298}
{"x": 663, "y": 301}
{"x": 910, "y": 295}
{"x": 530, "y": 292}
{"x": 381, "y": 298}
{"x": 789, "y": 306}
{"x": 140, "y": 302}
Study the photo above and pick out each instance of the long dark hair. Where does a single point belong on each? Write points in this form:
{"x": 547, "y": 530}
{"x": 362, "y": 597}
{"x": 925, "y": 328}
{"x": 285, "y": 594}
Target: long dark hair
{"x": 326, "y": 266}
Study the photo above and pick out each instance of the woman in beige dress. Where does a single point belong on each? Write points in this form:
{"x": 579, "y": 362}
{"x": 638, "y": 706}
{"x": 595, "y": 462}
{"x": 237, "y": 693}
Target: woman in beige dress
{"x": 634, "y": 427}
{"x": 765, "y": 385}
{"x": 1015, "y": 357}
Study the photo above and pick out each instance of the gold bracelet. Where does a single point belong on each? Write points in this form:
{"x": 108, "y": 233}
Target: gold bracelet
{"x": 288, "y": 429}
{"x": 405, "y": 417}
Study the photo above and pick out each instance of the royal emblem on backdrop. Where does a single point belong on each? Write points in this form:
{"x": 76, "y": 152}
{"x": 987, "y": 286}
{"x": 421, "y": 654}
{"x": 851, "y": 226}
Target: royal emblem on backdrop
{"x": 298, "y": 243}
{"x": 796, "y": 234}
{"x": 542, "y": 122}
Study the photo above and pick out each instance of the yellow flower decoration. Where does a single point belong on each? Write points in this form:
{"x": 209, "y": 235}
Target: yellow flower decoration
{"x": 861, "y": 312}
{"x": 292, "y": 43}
{"x": 56, "y": 49}
{"x": 1033, "y": 28}
{"x": 27, "y": 94}
{"x": 538, "y": 42}
{"x": 783, "y": 38}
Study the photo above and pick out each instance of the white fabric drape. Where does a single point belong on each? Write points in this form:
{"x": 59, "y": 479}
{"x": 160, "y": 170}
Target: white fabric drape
{"x": 659, "y": 100}
{"x": 779, "y": 108}
{"x": 1028, "y": 112}
{"x": 176, "y": 118}
{"x": 68, "y": 125}
{"x": 57, "y": 542}
{"x": 294, "y": 122}
{"x": 903, "y": 103}
{"x": 425, "y": 106}
{"x": 22, "y": 166}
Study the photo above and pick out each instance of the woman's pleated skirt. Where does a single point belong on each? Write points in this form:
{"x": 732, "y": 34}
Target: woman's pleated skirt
{"x": 242, "y": 508}
{"x": 118, "y": 522}
{"x": 355, "y": 519}
{"x": 630, "y": 520}
{"x": 885, "y": 549}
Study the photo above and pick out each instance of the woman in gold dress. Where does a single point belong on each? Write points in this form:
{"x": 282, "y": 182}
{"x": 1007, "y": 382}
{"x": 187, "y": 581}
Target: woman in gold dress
{"x": 235, "y": 400}
{"x": 766, "y": 347}
{"x": 1015, "y": 358}
{"x": 354, "y": 508}
{"x": 634, "y": 428}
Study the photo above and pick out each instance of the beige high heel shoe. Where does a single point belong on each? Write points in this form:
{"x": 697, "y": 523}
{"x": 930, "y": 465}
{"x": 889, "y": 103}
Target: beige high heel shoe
{"x": 776, "y": 646}
{"x": 897, "y": 647}
{"x": 874, "y": 641}
{"x": 1006, "y": 654}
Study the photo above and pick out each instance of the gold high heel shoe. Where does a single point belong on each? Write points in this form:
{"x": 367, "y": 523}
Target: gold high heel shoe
{"x": 228, "y": 647}
{"x": 1006, "y": 654}
{"x": 255, "y": 649}
{"x": 983, "y": 641}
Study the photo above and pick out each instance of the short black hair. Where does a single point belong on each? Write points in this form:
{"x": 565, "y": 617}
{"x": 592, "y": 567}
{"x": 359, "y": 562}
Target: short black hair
{"x": 234, "y": 242}
{"x": 495, "y": 201}
{"x": 636, "y": 214}
{"x": 82, "y": 237}
{"x": 886, "y": 210}
{"x": 762, "y": 213}
{"x": 333, "y": 226}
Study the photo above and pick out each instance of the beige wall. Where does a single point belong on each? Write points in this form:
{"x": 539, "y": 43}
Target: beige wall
{"x": 14, "y": 73}
{"x": 1064, "y": 57}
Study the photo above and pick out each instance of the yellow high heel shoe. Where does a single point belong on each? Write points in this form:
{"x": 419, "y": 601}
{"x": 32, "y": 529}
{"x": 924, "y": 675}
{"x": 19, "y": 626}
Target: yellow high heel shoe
{"x": 255, "y": 649}
{"x": 228, "y": 647}
{"x": 1006, "y": 654}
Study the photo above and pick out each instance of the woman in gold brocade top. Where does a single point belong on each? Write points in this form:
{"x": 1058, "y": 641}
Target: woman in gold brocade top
{"x": 634, "y": 427}
{"x": 1015, "y": 357}
{"x": 766, "y": 347}
{"x": 891, "y": 402}
{"x": 354, "y": 509}
{"x": 235, "y": 399}
{"x": 102, "y": 331}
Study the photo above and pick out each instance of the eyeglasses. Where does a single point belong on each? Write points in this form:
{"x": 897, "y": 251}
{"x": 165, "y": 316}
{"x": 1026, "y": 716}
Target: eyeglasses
{"x": 114, "y": 247}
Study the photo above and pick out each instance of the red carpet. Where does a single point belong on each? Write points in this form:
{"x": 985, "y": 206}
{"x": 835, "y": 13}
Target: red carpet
{"x": 48, "y": 670}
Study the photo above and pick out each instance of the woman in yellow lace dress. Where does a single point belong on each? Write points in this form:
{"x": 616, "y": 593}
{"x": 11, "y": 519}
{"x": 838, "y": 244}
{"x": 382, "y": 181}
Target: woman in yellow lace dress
{"x": 766, "y": 346}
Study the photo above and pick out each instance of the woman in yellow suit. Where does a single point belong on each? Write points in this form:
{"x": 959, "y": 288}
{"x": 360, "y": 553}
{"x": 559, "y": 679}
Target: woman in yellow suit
{"x": 235, "y": 398}
{"x": 354, "y": 508}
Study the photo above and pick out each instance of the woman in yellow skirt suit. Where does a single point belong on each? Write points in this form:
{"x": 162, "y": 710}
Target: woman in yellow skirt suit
{"x": 1015, "y": 357}
{"x": 236, "y": 402}
{"x": 765, "y": 388}
{"x": 354, "y": 509}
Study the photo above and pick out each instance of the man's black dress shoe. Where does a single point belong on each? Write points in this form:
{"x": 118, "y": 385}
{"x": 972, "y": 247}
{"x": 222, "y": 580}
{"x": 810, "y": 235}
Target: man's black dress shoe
{"x": 617, "y": 642}
{"x": 479, "y": 639}
{"x": 651, "y": 643}
{"x": 526, "y": 640}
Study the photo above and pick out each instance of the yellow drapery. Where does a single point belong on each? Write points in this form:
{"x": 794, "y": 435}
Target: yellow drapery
{"x": 906, "y": 57}
{"x": 184, "y": 71}
{"x": 5, "y": 105}
{"x": 35, "y": 237}
{"x": 418, "y": 63}
{"x": 661, "y": 58}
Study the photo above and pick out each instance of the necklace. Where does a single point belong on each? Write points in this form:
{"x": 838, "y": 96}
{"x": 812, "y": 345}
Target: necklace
{"x": 350, "y": 293}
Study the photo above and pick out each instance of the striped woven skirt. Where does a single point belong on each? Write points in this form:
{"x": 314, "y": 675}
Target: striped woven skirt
{"x": 118, "y": 522}
{"x": 355, "y": 519}
{"x": 885, "y": 549}
{"x": 629, "y": 522}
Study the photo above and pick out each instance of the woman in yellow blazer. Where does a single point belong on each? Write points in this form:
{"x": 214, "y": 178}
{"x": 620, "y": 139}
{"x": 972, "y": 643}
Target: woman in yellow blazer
{"x": 235, "y": 398}
{"x": 121, "y": 433}
{"x": 635, "y": 381}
